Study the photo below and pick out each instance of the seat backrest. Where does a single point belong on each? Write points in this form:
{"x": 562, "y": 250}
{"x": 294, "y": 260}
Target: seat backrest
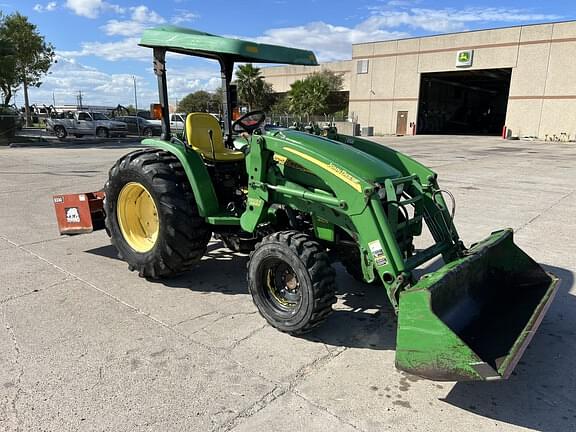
{"x": 198, "y": 127}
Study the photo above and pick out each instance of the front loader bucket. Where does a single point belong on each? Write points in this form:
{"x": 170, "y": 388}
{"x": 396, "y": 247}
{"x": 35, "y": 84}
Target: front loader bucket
{"x": 474, "y": 317}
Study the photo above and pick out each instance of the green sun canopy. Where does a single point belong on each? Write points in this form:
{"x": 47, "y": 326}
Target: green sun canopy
{"x": 197, "y": 43}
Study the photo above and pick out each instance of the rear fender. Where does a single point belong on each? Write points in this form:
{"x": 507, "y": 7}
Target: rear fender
{"x": 197, "y": 174}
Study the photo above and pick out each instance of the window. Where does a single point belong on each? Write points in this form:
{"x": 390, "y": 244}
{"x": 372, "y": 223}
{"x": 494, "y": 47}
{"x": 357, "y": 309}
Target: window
{"x": 362, "y": 66}
{"x": 84, "y": 116}
{"x": 99, "y": 116}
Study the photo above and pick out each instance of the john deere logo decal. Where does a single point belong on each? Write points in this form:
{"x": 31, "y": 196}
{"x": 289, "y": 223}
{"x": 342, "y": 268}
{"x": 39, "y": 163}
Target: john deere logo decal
{"x": 464, "y": 58}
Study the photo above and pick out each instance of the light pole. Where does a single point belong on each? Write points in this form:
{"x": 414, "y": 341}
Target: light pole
{"x": 136, "y": 104}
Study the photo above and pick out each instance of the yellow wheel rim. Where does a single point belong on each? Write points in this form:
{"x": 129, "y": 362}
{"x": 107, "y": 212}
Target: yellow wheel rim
{"x": 138, "y": 217}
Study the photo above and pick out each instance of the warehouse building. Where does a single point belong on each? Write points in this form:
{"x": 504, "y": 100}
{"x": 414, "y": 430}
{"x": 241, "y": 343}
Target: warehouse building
{"x": 477, "y": 82}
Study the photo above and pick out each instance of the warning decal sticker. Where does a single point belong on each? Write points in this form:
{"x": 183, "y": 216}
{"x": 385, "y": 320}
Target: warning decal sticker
{"x": 72, "y": 215}
{"x": 377, "y": 252}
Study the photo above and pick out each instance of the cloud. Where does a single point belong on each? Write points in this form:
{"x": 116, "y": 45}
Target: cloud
{"x": 125, "y": 49}
{"x": 141, "y": 18}
{"x": 143, "y": 14}
{"x": 92, "y": 8}
{"x": 48, "y": 7}
{"x": 184, "y": 81}
{"x": 448, "y": 19}
{"x": 329, "y": 42}
{"x": 68, "y": 76}
{"x": 184, "y": 16}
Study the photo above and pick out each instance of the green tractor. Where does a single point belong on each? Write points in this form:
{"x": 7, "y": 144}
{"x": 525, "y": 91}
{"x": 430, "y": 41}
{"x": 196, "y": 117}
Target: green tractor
{"x": 296, "y": 201}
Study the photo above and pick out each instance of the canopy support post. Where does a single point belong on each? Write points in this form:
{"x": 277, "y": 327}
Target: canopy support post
{"x": 226, "y": 69}
{"x": 160, "y": 72}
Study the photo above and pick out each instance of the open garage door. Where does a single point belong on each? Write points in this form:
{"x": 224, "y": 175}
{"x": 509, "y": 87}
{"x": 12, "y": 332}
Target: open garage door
{"x": 470, "y": 102}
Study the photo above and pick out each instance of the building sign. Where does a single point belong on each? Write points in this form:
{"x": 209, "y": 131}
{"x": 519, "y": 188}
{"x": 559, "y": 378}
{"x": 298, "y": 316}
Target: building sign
{"x": 464, "y": 58}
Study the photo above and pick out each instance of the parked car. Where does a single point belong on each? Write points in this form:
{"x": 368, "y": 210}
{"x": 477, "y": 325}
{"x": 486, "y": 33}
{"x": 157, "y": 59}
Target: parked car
{"x": 177, "y": 121}
{"x": 141, "y": 126}
{"x": 83, "y": 123}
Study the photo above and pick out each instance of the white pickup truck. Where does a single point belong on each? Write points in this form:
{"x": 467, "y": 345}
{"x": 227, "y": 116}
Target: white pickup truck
{"x": 83, "y": 123}
{"x": 177, "y": 122}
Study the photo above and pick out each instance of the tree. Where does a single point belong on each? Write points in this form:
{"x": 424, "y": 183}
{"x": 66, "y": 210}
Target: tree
{"x": 33, "y": 56}
{"x": 252, "y": 89}
{"x": 7, "y": 67}
{"x": 199, "y": 101}
{"x": 281, "y": 105}
{"x": 316, "y": 94}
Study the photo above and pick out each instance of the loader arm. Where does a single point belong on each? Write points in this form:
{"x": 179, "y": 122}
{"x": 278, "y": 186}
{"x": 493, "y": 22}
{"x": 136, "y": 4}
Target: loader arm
{"x": 360, "y": 196}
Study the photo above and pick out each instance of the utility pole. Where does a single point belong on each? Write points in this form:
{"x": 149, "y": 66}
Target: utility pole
{"x": 53, "y": 100}
{"x": 79, "y": 97}
{"x": 136, "y": 104}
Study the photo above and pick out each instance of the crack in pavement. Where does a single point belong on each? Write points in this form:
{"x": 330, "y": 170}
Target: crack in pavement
{"x": 34, "y": 291}
{"x": 14, "y": 402}
{"x": 280, "y": 390}
{"x": 219, "y": 318}
{"x": 326, "y": 410}
{"x": 546, "y": 210}
{"x": 259, "y": 405}
{"x": 196, "y": 317}
{"x": 248, "y": 336}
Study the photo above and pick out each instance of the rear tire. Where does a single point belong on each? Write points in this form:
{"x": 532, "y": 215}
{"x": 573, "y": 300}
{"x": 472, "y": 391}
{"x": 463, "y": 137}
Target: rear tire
{"x": 181, "y": 235}
{"x": 291, "y": 281}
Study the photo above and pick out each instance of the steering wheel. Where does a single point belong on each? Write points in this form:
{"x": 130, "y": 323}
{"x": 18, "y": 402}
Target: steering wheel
{"x": 249, "y": 122}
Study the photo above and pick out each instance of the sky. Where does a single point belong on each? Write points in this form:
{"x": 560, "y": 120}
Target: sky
{"x": 96, "y": 41}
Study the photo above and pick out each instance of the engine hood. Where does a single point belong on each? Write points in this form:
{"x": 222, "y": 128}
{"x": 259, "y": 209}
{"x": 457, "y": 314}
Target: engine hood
{"x": 343, "y": 156}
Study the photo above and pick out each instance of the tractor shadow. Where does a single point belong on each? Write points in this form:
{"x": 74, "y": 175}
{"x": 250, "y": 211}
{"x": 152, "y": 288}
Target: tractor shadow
{"x": 363, "y": 317}
{"x": 540, "y": 393}
{"x": 219, "y": 271}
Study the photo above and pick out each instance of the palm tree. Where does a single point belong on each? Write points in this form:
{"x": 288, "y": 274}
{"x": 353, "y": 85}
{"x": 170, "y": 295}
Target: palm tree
{"x": 251, "y": 86}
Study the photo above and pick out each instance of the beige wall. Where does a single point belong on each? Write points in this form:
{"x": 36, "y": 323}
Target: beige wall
{"x": 542, "y": 89}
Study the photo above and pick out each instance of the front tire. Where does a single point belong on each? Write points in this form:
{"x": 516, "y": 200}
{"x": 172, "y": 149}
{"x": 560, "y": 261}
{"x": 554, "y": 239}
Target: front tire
{"x": 102, "y": 133}
{"x": 351, "y": 261}
{"x": 151, "y": 214}
{"x": 291, "y": 281}
{"x": 60, "y": 132}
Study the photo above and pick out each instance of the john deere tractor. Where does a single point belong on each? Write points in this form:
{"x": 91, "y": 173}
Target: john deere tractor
{"x": 297, "y": 201}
